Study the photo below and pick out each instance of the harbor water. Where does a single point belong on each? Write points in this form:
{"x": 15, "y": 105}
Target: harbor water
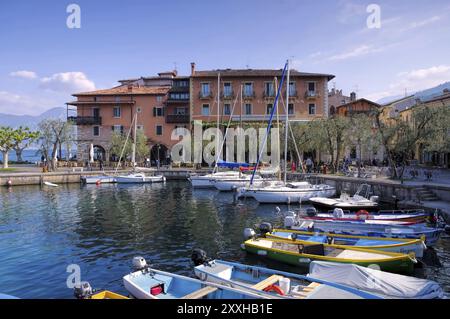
{"x": 44, "y": 232}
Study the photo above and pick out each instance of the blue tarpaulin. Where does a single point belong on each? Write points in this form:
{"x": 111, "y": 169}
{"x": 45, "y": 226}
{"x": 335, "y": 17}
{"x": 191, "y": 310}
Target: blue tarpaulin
{"x": 232, "y": 164}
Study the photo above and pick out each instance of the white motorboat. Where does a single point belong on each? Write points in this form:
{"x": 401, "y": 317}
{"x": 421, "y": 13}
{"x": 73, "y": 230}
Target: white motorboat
{"x": 356, "y": 202}
{"x": 285, "y": 193}
{"x": 148, "y": 283}
{"x": 139, "y": 178}
{"x": 98, "y": 179}
{"x": 205, "y": 181}
{"x": 231, "y": 183}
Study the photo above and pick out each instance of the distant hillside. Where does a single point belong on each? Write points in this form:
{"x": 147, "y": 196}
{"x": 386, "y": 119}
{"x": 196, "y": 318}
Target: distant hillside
{"x": 433, "y": 92}
{"x": 423, "y": 95}
{"x": 29, "y": 120}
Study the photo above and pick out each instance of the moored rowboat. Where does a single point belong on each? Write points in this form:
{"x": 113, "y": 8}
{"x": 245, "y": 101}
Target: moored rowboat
{"x": 278, "y": 283}
{"x": 301, "y": 254}
{"x": 388, "y": 229}
{"x": 398, "y": 245}
{"x": 147, "y": 283}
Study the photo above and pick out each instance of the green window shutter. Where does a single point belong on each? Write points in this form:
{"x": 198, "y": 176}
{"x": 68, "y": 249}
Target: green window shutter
{"x": 154, "y": 111}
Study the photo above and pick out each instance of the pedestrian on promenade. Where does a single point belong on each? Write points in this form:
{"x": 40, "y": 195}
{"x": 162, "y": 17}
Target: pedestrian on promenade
{"x": 309, "y": 165}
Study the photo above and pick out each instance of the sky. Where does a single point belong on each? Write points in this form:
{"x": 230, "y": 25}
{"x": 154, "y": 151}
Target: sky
{"x": 43, "y": 61}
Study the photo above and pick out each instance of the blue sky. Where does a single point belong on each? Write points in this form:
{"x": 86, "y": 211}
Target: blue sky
{"x": 43, "y": 61}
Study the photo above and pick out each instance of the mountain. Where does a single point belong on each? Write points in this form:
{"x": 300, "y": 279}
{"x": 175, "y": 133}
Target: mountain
{"x": 433, "y": 92}
{"x": 30, "y": 120}
{"x": 389, "y": 99}
{"x": 423, "y": 95}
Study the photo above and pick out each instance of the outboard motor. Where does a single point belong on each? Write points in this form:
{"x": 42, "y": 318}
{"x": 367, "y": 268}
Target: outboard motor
{"x": 265, "y": 228}
{"x": 139, "y": 263}
{"x": 338, "y": 213}
{"x": 249, "y": 233}
{"x": 374, "y": 199}
{"x": 199, "y": 257}
{"x": 83, "y": 290}
{"x": 311, "y": 211}
{"x": 277, "y": 210}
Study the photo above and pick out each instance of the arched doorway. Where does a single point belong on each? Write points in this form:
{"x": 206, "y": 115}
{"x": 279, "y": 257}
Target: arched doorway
{"x": 99, "y": 153}
{"x": 159, "y": 152}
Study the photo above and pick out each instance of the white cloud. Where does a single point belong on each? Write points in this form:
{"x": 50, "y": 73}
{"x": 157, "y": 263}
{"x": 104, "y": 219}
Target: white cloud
{"x": 415, "y": 80}
{"x": 69, "y": 82}
{"x": 24, "y": 74}
{"x": 315, "y": 54}
{"x": 425, "y": 22}
{"x": 356, "y": 52}
{"x": 16, "y": 104}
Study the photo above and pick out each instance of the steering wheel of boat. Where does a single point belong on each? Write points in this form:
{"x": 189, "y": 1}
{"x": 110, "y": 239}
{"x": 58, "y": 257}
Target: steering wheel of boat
{"x": 362, "y": 214}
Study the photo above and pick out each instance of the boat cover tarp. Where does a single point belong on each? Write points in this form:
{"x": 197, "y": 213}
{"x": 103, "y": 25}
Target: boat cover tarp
{"x": 231, "y": 164}
{"x": 378, "y": 282}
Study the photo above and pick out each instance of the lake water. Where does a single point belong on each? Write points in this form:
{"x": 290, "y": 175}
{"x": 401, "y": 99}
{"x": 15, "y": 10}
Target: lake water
{"x": 101, "y": 228}
{"x": 28, "y": 155}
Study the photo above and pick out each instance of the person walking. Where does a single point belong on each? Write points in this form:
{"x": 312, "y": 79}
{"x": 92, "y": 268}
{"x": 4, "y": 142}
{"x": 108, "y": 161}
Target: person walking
{"x": 309, "y": 164}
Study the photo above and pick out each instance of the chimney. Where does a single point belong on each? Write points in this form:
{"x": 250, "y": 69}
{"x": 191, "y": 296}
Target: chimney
{"x": 352, "y": 96}
{"x": 130, "y": 88}
{"x": 192, "y": 68}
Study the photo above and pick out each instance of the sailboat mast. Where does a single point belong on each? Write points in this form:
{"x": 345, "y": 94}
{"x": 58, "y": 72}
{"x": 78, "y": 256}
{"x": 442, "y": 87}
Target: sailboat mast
{"x": 133, "y": 146}
{"x": 287, "y": 122}
{"x": 218, "y": 117}
{"x": 278, "y": 128}
{"x": 216, "y": 166}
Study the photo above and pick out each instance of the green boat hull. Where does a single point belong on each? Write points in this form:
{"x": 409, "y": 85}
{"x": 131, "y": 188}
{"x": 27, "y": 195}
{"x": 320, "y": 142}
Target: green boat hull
{"x": 405, "y": 266}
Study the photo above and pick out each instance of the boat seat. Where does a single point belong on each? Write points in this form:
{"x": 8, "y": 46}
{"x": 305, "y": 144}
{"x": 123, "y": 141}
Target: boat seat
{"x": 267, "y": 282}
{"x": 314, "y": 250}
{"x": 311, "y": 286}
{"x": 200, "y": 293}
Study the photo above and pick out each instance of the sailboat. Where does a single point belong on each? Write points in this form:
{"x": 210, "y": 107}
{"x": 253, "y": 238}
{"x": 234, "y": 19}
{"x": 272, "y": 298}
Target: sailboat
{"x": 282, "y": 191}
{"x": 226, "y": 180}
{"x": 135, "y": 176}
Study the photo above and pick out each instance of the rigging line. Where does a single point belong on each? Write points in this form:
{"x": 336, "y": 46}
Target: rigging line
{"x": 270, "y": 122}
{"x": 293, "y": 138}
{"x": 124, "y": 145}
{"x": 226, "y": 131}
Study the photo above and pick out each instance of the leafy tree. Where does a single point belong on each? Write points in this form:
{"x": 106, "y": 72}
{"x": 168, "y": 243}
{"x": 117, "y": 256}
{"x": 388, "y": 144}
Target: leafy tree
{"x": 23, "y": 138}
{"x": 120, "y": 144}
{"x": 6, "y": 142}
{"x": 438, "y": 139}
{"x": 400, "y": 137}
{"x": 362, "y": 134}
{"x": 53, "y": 133}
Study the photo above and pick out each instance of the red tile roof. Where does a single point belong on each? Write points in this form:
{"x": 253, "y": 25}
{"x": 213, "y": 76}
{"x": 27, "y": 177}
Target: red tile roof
{"x": 125, "y": 90}
{"x": 359, "y": 100}
{"x": 257, "y": 72}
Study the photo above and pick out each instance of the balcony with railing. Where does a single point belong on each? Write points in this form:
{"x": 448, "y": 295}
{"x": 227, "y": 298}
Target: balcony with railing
{"x": 205, "y": 95}
{"x": 227, "y": 95}
{"x": 248, "y": 94}
{"x": 269, "y": 94}
{"x": 311, "y": 94}
{"x": 177, "y": 118}
{"x": 85, "y": 120}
